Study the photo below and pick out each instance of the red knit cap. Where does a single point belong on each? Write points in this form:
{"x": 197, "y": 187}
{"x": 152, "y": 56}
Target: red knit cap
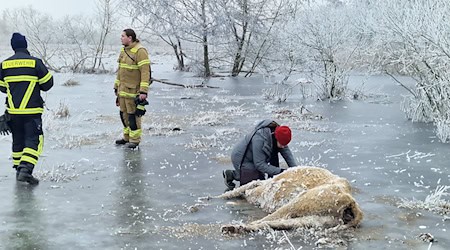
{"x": 283, "y": 135}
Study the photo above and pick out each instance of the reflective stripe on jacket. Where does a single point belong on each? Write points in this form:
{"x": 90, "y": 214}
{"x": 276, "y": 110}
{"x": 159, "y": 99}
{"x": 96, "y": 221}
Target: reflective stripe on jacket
{"x": 22, "y": 77}
{"x": 134, "y": 71}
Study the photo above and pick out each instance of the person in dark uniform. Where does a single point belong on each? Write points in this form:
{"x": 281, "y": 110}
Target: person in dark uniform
{"x": 22, "y": 78}
{"x": 256, "y": 154}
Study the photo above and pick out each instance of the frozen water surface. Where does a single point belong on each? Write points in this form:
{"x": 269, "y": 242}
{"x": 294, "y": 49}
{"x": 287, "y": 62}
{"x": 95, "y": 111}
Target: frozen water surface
{"x": 95, "y": 195}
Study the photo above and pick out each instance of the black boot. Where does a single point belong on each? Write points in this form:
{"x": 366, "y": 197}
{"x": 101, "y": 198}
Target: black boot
{"x": 25, "y": 174}
{"x": 121, "y": 142}
{"x": 228, "y": 179}
{"x": 133, "y": 145}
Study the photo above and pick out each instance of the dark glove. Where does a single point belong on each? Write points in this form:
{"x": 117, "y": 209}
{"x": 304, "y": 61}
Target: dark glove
{"x": 117, "y": 102}
{"x": 4, "y": 127}
{"x": 140, "y": 106}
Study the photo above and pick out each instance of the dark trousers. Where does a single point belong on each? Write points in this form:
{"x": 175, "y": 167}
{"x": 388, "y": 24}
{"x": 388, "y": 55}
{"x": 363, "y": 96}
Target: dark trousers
{"x": 28, "y": 139}
{"x": 248, "y": 175}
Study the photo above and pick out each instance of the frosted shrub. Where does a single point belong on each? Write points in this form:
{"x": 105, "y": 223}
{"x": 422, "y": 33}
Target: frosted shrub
{"x": 236, "y": 110}
{"x": 57, "y": 173}
{"x": 202, "y": 143}
{"x": 279, "y": 92}
{"x": 436, "y": 197}
{"x": 70, "y": 83}
{"x": 76, "y": 141}
{"x": 62, "y": 111}
{"x": 305, "y": 86}
{"x": 434, "y": 202}
{"x": 217, "y": 140}
{"x": 334, "y": 85}
{"x": 415, "y": 110}
{"x": 327, "y": 42}
{"x": 443, "y": 129}
{"x": 415, "y": 44}
{"x": 210, "y": 118}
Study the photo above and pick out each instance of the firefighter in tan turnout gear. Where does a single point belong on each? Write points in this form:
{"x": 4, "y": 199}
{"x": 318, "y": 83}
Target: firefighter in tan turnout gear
{"x": 131, "y": 87}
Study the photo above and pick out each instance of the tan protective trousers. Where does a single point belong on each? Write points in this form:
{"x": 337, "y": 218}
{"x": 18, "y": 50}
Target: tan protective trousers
{"x": 132, "y": 124}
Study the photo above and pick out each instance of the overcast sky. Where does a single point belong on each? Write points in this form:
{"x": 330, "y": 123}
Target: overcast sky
{"x": 55, "y": 8}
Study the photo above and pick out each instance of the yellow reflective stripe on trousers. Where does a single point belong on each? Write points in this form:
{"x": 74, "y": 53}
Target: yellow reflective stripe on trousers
{"x": 16, "y": 154}
{"x": 31, "y": 151}
{"x": 27, "y": 111}
{"x": 46, "y": 78}
{"x": 19, "y": 63}
{"x": 135, "y": 133}
{"x": 146, "y": 61}
{"x": 20, "y": 78}
{"x": 128, "y": 66}
{"x": 16, "y": 157}
{"x": 29, "y": 159}
{"x": 128, "y": 95}
{"x": 126, "y": 131}
{"x": 3, "y": 84}
{"x": 27, "y": 96}
{"x": 41, "y": 144}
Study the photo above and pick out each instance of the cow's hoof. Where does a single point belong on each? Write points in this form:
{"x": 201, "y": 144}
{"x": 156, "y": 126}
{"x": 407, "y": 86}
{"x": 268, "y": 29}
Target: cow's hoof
{"x": 231, "y": 229}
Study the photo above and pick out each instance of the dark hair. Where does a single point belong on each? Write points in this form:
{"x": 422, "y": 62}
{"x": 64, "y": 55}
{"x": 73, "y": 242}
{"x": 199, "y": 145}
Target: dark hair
{"x": 130, "y": 32}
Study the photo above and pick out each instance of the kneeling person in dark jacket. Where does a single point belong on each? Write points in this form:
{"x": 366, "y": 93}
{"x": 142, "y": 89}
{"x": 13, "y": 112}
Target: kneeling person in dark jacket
{"x": 257, "y": 154}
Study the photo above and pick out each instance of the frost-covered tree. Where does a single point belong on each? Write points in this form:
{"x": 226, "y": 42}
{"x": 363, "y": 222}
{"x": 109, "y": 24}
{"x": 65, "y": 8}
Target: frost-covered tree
{"x": 166, "y": 20}
{"x": 158, "y": 18}
{"x": 39, "y": 30}
{"x": 5, "y": 29}
{"x": 107, "y": 11}
{"x": 327, "y": 40}
{"x": 250, "y": 27}
{"x": 238, "y": 33}
{"x": 67, "y": 43}
{"x": 197, "y": 24}
{"x": 77, "y": 32}
{"x": 416, "y": 43}
{"x": 177, "y": 21}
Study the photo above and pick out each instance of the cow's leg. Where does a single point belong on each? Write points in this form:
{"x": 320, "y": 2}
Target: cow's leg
{"x": 293, "y": 223}
{"x": 283, "y": 224}
{"x": 240, "y": 191}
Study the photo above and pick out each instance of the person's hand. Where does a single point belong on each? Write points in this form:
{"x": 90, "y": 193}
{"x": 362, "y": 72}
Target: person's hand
{"x": 5, "y": 132}
{"x": 142, "y": 96}
{"x": 117, "y": 102}
{"x": 115, "y": 92}
{"x": 4, "y": 128}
